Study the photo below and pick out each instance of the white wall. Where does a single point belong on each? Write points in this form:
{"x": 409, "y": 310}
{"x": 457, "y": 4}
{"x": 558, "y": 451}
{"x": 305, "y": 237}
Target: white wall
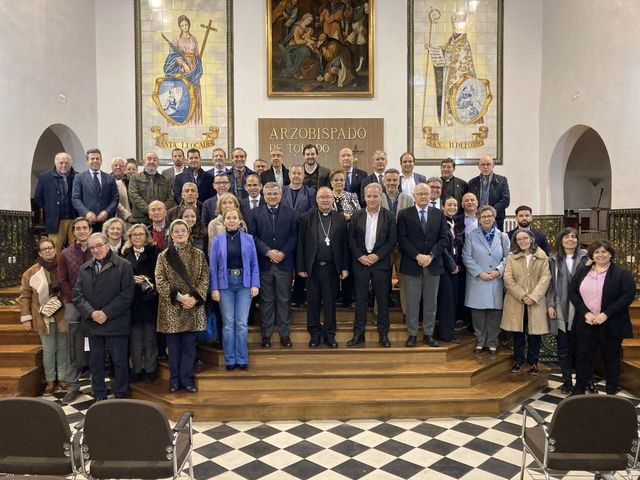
{"x": 591, "y": 51}
{"x": 47, "y": 48}
{"x": 107, "y": 81}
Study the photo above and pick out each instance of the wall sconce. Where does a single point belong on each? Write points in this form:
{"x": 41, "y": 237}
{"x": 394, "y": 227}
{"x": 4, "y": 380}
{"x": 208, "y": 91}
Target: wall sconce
{"x": 473, "y": 5}
{"x": 62, "y": 97}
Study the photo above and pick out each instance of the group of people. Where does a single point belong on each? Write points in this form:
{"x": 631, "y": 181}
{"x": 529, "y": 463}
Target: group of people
{"x": 154, "y": 257}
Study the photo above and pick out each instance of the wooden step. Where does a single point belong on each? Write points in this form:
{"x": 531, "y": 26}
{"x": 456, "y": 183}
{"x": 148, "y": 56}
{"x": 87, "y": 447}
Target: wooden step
{"x": 300, "y": 353}
{"x": 23, "y": 381}
{"x": 20, "y": 355}
{"x": 630, "y": 376}
{"x": 631, "y": 349}
{"x": 344, "y": 333}
{"x": 15, "y": 333}
{"x": 458, "y": 373}
{"x": 634, "y": 310}
{"x": 10, "y": 292}
{"x": 635, "y": 323}
{"x": 488, "y": 398}
{"x": 9, "y": 314}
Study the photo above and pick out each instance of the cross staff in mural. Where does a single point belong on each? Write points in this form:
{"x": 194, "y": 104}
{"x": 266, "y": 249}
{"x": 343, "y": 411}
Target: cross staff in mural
{"x": 177, "y": 95}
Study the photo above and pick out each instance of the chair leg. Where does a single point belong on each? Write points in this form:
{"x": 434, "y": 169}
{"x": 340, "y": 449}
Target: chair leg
{"x": 524, "y": 463}
{"x": 191, "y": 467}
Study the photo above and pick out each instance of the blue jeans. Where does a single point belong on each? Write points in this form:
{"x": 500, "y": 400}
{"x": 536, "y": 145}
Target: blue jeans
{"x": 235, "y": 302}
{"x": 55, "y": 353}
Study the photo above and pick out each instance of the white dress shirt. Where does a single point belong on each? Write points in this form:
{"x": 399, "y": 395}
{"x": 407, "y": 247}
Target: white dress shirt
{"x": 371, "y": 230}
{"x": 407, "y": 184}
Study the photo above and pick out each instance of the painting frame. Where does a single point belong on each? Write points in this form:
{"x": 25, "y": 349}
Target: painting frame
{"x": 162, "y": 133}
{"x": 489, "y": 136}
{"x": 290, "y": 86}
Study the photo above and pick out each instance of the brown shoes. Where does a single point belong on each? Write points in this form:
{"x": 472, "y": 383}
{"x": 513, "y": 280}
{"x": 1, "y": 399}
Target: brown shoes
{"x": 49, "y": 388}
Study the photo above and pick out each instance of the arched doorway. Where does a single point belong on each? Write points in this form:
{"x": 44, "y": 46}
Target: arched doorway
{"x": 587, "y": 176}
{"x": 579, "y": 168}
{"x": 55, "y": 139}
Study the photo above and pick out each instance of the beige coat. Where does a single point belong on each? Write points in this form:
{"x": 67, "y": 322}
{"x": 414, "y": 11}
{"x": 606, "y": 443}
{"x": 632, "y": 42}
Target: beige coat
{"x": 172, "y": 318}
{"x": 34, "y": 292}
{"x": 520, "y": 281}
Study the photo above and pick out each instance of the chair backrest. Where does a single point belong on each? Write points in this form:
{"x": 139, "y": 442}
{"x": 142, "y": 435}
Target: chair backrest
{"x": 126, "y": 429}
{"x": 594, "y": 424}
{"x": 32, "y": 427}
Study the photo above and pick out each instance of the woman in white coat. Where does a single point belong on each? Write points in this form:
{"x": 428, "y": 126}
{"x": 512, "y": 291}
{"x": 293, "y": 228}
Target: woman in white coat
{"x": 484, "y": 255}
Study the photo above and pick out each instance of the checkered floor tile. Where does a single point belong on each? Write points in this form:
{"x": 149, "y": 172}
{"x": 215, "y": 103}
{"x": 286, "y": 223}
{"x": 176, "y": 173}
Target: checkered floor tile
{"x": 467, "y": 448}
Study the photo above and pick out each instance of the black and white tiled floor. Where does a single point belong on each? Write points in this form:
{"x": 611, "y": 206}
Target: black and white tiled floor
{"x": 466, "y": 448}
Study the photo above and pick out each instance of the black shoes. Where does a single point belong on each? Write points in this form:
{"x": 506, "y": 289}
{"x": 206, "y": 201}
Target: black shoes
{"x": 384, "y": 341}
{"x": 70, "y": 396}
{"x": 266, "y": 342}
{"x": 173, "y": 388}
{"x": 355, "y": 341}
{"x": 135, "y": 377}
{"x": 314, "y": 342}
{"x": 411, "y": 341}
{"x": 566, "y": 388}
{"x": 430, "y": 341}
{"x": 516, "y": 367}
{"x": 150, "y": 377}
{"x": 330, "y": 342}
{"x": 231, "y": 368}
{"x": 286, "y": 341}
{"x": 243, "y": 366}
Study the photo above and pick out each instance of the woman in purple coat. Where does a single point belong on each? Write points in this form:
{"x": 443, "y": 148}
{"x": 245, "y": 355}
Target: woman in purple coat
{"x": 235, "y": 280}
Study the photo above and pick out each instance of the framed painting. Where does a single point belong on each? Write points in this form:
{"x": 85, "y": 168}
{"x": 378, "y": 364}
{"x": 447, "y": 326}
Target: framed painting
{"x": 320, "y": 48}
{"x": 184, "y": 76}
{"x": 455, "y": 80}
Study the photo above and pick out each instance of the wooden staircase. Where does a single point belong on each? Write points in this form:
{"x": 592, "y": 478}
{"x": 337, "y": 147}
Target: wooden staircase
{"x": 370, "y": 382}
{"x": 630, "y": 367}
{"x": 21, "y": 372}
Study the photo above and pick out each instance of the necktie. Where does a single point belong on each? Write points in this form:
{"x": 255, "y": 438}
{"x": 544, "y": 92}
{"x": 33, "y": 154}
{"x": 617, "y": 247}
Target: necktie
{"x": 273, "y": 212}
{"x": 347, "y": 184}
{"x": 96, "y": 182}
{"x": 380, "y": 179}
{"x": 254, "y": 204}
{"x": 98, "y": 268}
{"x": 423, "y": 221}
{"x": 433, "y": 204}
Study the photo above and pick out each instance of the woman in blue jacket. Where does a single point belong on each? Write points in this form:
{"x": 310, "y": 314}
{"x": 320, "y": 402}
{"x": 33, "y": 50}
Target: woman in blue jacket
{"x": 235, "y": 280}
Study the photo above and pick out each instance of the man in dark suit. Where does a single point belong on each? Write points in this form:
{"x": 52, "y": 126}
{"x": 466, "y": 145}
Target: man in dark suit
{"x": 221, "y": 184}
{"x": 239, "y": 173}
{"x": 524, "y": 217}
{"x": 379, "y": 164}
{"x": 353, "y": 176}
{"x": 275, "y": 228}
{"x": 195, "y": 174}
{"x": 315, "y": 175}
{"x": 177, "y": 157}
{"x": 302, "y": 199}
{"x": 254, "y": 198}
{"x": 408, "y": 178}
{"x": 95, "y": 193}
{"x": 53, "y": 195}
{"x": 491, "y": 189}
{"x": 321, "y": 258}
{"x": 422, "y": 237}
{"x": 372, "y": 237}
{"x": 452, "y": 186}
{"x": 277, "y": 172}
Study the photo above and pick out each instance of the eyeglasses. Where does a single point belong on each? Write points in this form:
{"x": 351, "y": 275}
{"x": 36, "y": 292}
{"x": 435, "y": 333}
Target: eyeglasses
{"x": 141, "y": 234}
{"x": 486, "y": 217}
{"x": 47, "y": 249}
{"x": 97, "y": 246}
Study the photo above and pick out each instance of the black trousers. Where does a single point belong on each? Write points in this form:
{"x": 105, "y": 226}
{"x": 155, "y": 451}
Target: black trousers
{"x": 118, "y": 346}
{"x": 590, "y": 338}
{"x": 447, "y": 303}
{"x": 322, "y": 290}
{"x": 182, "y": 354}
{"x": 381, "y": 280}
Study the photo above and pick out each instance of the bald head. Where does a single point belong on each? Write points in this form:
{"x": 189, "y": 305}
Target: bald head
{"x": 63, "y": 163}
